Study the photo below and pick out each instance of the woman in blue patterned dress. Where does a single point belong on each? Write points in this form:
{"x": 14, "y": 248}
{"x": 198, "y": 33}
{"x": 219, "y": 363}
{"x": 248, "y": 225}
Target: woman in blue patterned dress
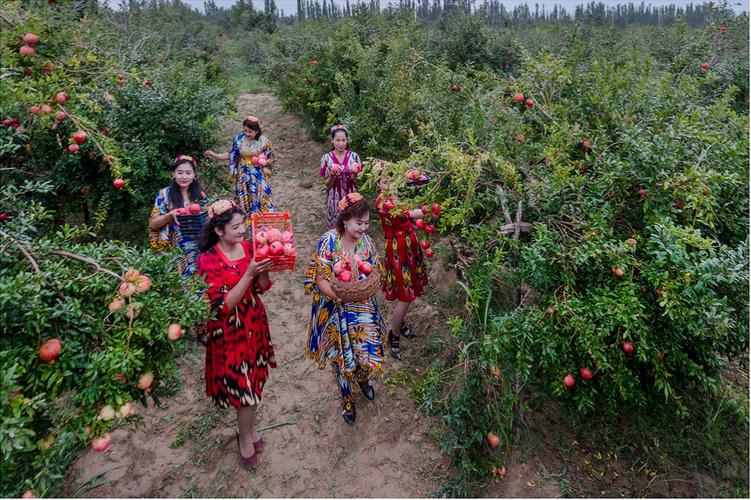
{"x": 164, "y": 230}
{"x": 250, "y": 161}
{"x": 349, "y": 336}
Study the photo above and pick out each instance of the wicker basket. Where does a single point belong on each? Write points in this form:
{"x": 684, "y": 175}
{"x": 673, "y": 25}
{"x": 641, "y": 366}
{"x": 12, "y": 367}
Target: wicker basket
{"x": 357, "y": 291}
{"x": 281, "y": 222}
{"x": 192, "y": 225}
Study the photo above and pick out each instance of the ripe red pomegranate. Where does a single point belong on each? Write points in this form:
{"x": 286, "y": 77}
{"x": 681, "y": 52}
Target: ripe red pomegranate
{"x": 365, "y": 267}
{"x": 569, "y": 381}
{"x": 262, "y": 252}
{"x": 520, "y": 137}
{"x": 430, "y": 229}
{"x": 126, "y": 289}
{"x": 143, "y": 284}
{"x": 425, "y": 244}
{"x": 420, "y": 224}
{"x": 118, "y": 183}
{"x": 586, "y": 373}
{"x": 493, "y": 440}
{"x": 120, "y": 377}
{"x": 345, "y": 276}
{"x": 7, "y": 122}
{"x": 101, "y": 443}
{"x": 288, "y": 237}
{"x": 628, "y": 348}
{"x": 529, "y": 103}
{"x": 61, "y": 98}
{"x": 618, "y": 271}
{"x": 586, "y": 144}
{"x": 26, "y": 51}
{"x": 274, "y": 235}
{"x": 79, "y": 137}
{"x": 181, "y": 211}
{"x": 50, "y": 350}
{"x": 429, "y": 252}
{"x": 46, "y": 109}
{"x": 115, "y": 306}
{"x": 261, "y": 238}
{"x": 723, "y": 30}
{"x": 174, "y": 331}
{"x": 276, "y": 249}
{"x": 29, "y": 494}
{"x": 436, "y": 211}
{"x": 61, "y": 115}
{"x": 704, "y": 66}
{"x": 73, "y": 148}
{"x": 48, "y": 69}
{"x": 314, "y": 62}
{"x": 631, "y": 241}
{"x": 30, "y": 38}
{"x": 414, "y": 175}
{"x": 106, "y": 131}
{"x": 35, "y": 109}
{"x": 144, "y": 382}
{"x": 194, "y": 208}
{"x": 289, "y": 250}
{"x": 519, "y": 97}
{"x": 454, "y": 88}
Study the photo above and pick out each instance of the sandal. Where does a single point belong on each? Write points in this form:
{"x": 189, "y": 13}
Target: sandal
{"x": 407, "y": 331}
{"x": 250, "y": 461}
{"x": 349, "y": 414}
{"x": 394, "y": 346}
{"x": 367, "y": 390}
{"x": 257, "y": 445}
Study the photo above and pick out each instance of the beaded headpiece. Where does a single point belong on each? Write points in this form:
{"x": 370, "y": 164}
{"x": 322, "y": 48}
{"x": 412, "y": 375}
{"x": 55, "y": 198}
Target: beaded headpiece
{"x": 339, "y": 127}
{"x": 182, "y": 158}
{"x": 348, "y": 201}
{"x": 219, "y": 207}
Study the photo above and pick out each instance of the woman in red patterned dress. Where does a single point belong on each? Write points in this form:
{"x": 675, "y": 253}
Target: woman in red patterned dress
{"x": 239, "y": 352}
{"x": 403, "y": 262}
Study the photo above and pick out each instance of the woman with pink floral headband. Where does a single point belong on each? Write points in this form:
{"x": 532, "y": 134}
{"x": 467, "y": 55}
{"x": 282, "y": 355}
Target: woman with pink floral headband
{"x": 239, "y": 352}
{"x": 164, "y": 229}
{"x": 339, "y": 167}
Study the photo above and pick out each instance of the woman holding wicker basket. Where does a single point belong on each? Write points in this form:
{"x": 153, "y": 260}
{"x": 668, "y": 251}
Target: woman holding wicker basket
{"x": 346, "y": 327}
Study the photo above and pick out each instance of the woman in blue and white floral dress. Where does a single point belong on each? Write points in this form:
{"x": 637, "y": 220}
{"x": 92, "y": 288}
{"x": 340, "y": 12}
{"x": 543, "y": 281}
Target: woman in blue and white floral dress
{"x": 251, "y": 160}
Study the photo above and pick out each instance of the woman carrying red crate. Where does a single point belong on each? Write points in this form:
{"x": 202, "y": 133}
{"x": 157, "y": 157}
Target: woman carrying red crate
{"x": 239, "y": 352}
{"x": 349, "y": 336}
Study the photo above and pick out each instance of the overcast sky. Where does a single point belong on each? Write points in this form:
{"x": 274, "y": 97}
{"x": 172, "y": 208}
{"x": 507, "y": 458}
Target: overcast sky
{"x": 290, "y": 6}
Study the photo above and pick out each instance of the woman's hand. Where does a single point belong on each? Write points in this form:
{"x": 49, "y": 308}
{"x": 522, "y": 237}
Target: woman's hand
{"x": 173, "y": 213}
{"x": 324, "y": 286}
{"x": 257, "y": 267}
{"x": 216, "y": 156}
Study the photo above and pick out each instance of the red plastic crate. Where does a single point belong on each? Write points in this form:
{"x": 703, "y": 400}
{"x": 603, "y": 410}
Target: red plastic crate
{"x": 281, "y": 222}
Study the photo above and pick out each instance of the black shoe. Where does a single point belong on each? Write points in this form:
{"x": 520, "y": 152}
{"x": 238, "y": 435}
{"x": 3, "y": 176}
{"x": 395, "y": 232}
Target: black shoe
{"x": 367, "y": 390}
{"x": 394, "y": 346}
{"x": 349, "y": 414}
{"x": 407, "y": 331}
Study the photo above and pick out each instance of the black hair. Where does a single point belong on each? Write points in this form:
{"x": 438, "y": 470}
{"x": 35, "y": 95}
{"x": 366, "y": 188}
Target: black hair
{"x": 195, "y": 190}
{"x": 333, "y": 134}
{"x": 357, "y": 209}
{"x": 253, "y": 125}
{"x": 209, "y": 238}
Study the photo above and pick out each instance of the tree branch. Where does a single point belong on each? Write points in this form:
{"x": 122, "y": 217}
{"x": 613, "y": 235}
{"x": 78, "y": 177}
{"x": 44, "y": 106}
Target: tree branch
{"x": 88, "y": 261}
{"x": 23, "y": 250}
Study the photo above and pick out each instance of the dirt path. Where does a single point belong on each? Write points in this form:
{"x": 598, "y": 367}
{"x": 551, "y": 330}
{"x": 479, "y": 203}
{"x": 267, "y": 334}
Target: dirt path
{"x": 186, "y": 447}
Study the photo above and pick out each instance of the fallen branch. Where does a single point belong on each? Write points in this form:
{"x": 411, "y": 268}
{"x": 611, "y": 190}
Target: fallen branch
{"x": 279, "y": 424}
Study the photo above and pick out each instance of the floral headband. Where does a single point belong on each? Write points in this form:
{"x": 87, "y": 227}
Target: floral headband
{"x": 219, "y": 207}
{"x": 182, "y": 158}
{"x": 339, "y": 127}
{"x": 251, "y": 118}
{"x": 348, "y": 201}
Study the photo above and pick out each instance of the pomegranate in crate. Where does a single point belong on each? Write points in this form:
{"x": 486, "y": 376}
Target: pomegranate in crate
{"x": 274, "y": 239}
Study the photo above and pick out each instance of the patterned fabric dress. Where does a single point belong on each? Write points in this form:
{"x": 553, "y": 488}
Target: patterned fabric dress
{"x": 251, "y": 187}
{"x": 405, "y": 275}
{"x": 348, "y": 336}
{"x": 169, "y": 236}
{"x": 344, "y": 184}
{"x": 239, "y": 352}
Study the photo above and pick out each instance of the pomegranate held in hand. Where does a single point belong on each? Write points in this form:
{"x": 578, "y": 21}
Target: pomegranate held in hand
{"x": 50, "y": 350}
{"x": 262, "y": 252}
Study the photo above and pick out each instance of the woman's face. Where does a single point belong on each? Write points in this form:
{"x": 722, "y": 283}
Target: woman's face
{"x": 340, "y": 140}
{"x": 357, "y": 226}
{"x": 234, "y": 230}
{"x": 249, "y": 132}
{"x": 184, "y": 174}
